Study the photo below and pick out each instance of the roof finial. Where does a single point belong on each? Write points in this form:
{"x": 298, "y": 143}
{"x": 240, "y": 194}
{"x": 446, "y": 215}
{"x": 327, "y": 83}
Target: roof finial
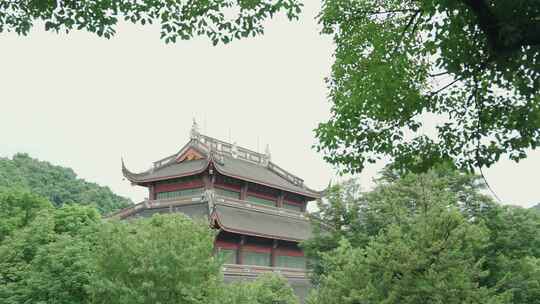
{"x": 234, "y": 150}
{"x": 194, "y": 129}
{"x": 267, "y": 152}
{"x": 125, "y": 170}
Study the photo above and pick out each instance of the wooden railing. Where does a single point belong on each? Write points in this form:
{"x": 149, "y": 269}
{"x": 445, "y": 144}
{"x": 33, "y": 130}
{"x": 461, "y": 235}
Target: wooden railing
{"x": 172, "y": 202}
{"x": 151, "y": 204}
{"x": 268, "y": 209}
{"x": 254, "y": 270}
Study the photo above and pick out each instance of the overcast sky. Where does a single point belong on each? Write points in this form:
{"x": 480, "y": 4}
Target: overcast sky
{"x": 83, "y": 102}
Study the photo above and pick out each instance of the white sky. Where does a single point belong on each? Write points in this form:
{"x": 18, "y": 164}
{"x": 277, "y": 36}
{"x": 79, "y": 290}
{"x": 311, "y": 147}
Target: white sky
{"x": 83, "y": 102}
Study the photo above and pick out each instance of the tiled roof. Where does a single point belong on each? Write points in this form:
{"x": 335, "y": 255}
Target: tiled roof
{"x": 229, "y": 160}
{"x": 263, "y": 224}
{"x": 241, "y": 169}
{"x": 233, "y": 216}
{"x": 171, "y": 170}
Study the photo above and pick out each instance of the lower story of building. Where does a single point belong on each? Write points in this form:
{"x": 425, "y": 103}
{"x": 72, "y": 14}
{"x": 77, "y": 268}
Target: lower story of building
{"x": 256, "y": 251}
{"x": 246, "y": 257}
{"x": 251, "y": 240}
{"x": 297, "y": 279}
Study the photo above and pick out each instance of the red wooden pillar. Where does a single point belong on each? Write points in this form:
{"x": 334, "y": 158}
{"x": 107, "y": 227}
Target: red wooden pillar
{"x": 281, "y": 196}
{"x": 206, "y": 181}
{"x": 240, "y": 255}
{"x": 212, "y": 174}
{"x": 273, "y": 253}
{"x": 151, "y": 194}
{"x": 208, "y": 178}
{"x": 243, "y": 191}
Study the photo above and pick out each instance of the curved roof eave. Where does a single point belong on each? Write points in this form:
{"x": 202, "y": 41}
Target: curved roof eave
{"x": 251, "y": 233}
{"x": 311, "y": 195}
{"x": 137, "y": 178}
{"x": 133, "y": 177}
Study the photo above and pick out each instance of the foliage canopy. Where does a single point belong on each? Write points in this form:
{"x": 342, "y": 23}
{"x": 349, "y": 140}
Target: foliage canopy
{"x": 469, "y": 67}
{"x": 219, "y": 20}
{"x": 71, "y": 255}
{"x": 164, "y": 259}
{"x": 57, "y": 184}
{"x": 427, "y": 238}
{"x": 47, "y": 258}
{"x": 269, "y": 288}
{"x": 18, "y": 210}
{"x": 472, "y": 66}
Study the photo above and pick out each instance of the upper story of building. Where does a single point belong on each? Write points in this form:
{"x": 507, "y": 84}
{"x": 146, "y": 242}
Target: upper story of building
{"x": 234, "y": 172}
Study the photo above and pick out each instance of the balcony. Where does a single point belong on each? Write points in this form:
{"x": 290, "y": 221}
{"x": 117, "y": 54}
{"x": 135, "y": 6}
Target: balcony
{"x": 207, "y": 197}
{"x": 243, "y": 271}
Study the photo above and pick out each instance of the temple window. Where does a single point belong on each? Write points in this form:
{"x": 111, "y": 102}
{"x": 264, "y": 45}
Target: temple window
{"x": 181, "y": 180}
{"x": 291, "y": 261}
{"x": 228, "y": 255}
{"x": 227, "y": 193}
{"x": 228, "y": 181}
{"x": 179, "y": 193}
{"x": 260, "y": 201}
{"x": 294, "y": 197}
{"x": 256, "y": 258}
{"x": 263, "y": 190}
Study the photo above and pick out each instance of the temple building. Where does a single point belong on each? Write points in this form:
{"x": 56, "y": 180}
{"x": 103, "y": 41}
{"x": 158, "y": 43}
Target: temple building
{"x": 257, "y": 207}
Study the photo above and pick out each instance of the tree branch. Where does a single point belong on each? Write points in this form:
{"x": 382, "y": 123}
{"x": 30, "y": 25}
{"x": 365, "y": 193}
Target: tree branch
{"x": 439, "y": 74}
{"x": 411, "y": 20}
{"x": 389, "y": 12}
{"x": 445, "y": 87}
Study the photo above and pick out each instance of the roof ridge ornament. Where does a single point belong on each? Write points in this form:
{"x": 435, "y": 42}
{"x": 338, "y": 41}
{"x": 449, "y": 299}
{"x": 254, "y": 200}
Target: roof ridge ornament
{"x": 215, "y": 156}
{"x": 267, "y": 153}
{"x": 234, "y": 150}
{"x": 194, "y": 133}
{"x": 125, "y": 171}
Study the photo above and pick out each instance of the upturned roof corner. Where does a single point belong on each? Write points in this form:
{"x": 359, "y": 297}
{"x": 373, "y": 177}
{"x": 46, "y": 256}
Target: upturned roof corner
{"x": 228, "y": 159}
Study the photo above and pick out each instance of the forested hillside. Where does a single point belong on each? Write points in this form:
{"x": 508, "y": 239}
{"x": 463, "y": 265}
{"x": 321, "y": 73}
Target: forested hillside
{"x": 58, "y": 184}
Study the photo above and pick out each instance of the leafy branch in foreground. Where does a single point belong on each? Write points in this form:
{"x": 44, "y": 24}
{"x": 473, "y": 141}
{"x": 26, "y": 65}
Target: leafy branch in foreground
{"x": 471, "y": 66}
{"x": 219, "y": 20}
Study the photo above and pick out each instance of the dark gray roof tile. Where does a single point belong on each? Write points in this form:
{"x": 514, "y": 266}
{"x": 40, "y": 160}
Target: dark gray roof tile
{"x": 169, "y": 171}
{"x": 253, "y": 222}
{"x": 259, "y": 174}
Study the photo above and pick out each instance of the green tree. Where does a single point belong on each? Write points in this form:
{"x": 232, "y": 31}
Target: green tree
{"x": 471, "y": 66}
{"x": 18, "y": 209}
{"x": 337, "y": 217}
{"x": 219, "y": 20}
{"x": 58, "y": 184}
{"x": 70, "y": 255}
{"x": 164, "y": 259}
{"x": 266, "y": 289}
{"x": 513, "y": 254}
{"x": 272, "y": 289}
{"x": 423, "y": 238}
{"x": 48, "y": 260}
{"x": 60, "y": 271}
{"x": 357, "y": 216}
{"x": 416, "y": 264}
